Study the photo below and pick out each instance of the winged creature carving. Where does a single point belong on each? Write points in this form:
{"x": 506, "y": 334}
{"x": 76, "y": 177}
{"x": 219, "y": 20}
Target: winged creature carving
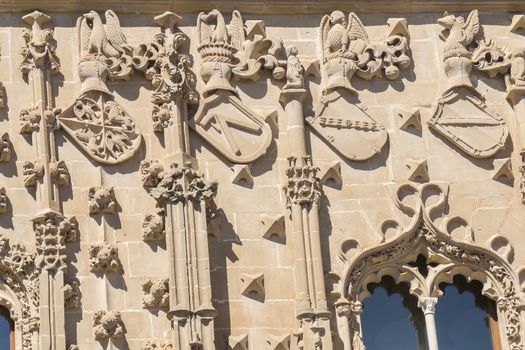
{"x": 102, "y": 39}
{"x": 461, "y": 33}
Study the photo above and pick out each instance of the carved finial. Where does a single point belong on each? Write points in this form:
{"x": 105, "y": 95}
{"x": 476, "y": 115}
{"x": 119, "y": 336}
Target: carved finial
{"x": 168, "y": 20}
{"x": 39, "y": 51}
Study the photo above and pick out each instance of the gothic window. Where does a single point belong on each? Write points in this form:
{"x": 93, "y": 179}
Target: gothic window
{"x": 7, "y": 339}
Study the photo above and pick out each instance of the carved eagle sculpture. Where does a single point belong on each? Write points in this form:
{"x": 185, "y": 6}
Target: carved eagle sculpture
{"x": 102, "y": 39}
{"x": 340, "y": 37}
{"x": 212, "y": 29}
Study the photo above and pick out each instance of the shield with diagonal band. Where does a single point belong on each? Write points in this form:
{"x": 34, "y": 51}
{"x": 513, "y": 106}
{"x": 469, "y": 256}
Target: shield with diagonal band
{"x": 464, "y": 119}
{"x": 348, "y": 128}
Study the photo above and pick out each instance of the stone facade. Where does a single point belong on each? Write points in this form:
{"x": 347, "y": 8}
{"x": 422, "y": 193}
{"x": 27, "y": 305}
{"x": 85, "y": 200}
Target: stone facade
{"x": 234, "y": 178}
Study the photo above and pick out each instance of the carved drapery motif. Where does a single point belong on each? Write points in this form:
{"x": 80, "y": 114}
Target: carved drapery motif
{"x": 52, "y": 231}
{"x": 39, "y": 51}
{"x": 430, "y": 233}
{"x": 304, "y": 186}
{"x": 108, "y": 324}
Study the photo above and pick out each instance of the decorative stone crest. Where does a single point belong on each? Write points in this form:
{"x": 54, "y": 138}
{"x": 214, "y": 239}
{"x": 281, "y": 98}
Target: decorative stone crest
{"x": 101, "y": 200}
{"x": 5, "y": 148}
{"x": 156, "y": 294}
{"x": 153, "y": 227}
{"x": 104, "y": 259}
{"x": 303, "y": 185}
{"x": 95, "y": 121}
{"x": 347, "y": 51}
{"x": 108, "y": 325}
{"x": 3, "y": 201}
{"x": 477, "y": 131}
{"x": 232, "y": 127}
{"x": 72, "y": 295}
{"x": 52, "y": 231}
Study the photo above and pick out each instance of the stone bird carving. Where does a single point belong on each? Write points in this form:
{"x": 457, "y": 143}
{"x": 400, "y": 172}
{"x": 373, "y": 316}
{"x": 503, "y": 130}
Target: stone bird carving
{"x": 102, "y": 39}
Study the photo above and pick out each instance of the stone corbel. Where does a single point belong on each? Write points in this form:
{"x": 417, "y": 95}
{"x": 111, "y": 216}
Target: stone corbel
{"x": 463, "y": 52}
{"x": 339, "y": 119}
{"x": 240, "y": 50}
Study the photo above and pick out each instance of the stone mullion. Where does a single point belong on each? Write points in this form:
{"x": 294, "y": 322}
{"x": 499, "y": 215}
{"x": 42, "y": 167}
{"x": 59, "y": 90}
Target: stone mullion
{"x": 428, "y": 305}
{"x": 39, "y": 66}
{"x": 311, "y": 306}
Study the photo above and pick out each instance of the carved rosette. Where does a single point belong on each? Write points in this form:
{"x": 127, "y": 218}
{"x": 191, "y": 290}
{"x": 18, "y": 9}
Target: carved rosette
{"x": 52, "y": 231}
{"x": 108, "y": 325}
{"x": 303, "y": 186}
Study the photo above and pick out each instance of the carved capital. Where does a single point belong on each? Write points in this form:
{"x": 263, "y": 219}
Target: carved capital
{"x": 39, "y": 52}
{"x": 303, "y": 186}
{"x": 108, "y": 325}
{"x": 428, "y": 305}
{"x": 182, "y": 183}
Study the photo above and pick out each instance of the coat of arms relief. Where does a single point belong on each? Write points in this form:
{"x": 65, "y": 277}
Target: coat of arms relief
{"x": 239, "y": 50}
{"x": 460, "y": 113}
{"x": 346, "y": 50}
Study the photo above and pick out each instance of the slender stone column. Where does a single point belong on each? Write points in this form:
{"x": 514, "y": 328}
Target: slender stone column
{"x": 51, "y": 229}
{"x": 184, "y": 194}
{"x": 303, "y": 191}
{"x": 428, "y": 305}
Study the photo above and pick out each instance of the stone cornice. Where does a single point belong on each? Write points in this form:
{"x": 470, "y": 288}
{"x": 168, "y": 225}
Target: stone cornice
{"x": 270, "y": 7}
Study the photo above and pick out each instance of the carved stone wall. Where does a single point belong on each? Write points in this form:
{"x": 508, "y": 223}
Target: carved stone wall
{"x": 231, "y": 178}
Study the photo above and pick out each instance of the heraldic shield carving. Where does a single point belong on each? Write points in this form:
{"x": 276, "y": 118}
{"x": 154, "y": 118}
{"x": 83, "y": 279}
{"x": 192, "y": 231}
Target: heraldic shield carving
{"x": 240, "y": 51}
{"x": 95, "y": 121}
{"x": 460, "y": 113}
{"x": 347, "y": 127}
{"x": 347, "y": 51}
